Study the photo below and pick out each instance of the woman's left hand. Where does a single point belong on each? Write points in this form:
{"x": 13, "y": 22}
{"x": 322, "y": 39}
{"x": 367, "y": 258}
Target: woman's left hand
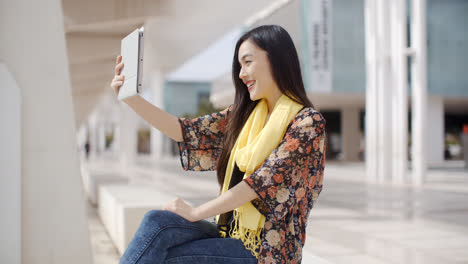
{"x": 183, "y": 209}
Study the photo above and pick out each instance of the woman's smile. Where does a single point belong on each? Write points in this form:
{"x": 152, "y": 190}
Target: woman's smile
{"x": 250, "y": 84}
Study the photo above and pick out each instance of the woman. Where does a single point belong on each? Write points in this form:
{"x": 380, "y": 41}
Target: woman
{"x": 268, "y": 151}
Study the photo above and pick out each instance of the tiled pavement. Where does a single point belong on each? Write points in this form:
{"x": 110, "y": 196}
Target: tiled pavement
{"x": 353, "y": 222}
{"x": 104, "y": 251}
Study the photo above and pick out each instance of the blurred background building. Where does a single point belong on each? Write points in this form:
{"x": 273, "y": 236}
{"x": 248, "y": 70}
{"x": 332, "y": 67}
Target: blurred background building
{"x": 206, "y": 74}
{"x": 389, "y": 77}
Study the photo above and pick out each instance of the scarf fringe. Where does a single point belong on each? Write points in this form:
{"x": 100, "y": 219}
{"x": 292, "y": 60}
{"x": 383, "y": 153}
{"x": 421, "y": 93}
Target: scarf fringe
{"x": 251, "y": 238}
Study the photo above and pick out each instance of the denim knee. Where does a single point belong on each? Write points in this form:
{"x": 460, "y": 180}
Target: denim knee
{"x": 159, "y": 218}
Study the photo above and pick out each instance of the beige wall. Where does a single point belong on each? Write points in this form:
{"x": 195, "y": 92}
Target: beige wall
{"x": 54, "y": 225}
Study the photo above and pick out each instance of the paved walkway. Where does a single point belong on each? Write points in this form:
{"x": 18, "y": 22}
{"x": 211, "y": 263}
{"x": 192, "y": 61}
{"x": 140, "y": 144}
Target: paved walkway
{"x": 353, "y": 222}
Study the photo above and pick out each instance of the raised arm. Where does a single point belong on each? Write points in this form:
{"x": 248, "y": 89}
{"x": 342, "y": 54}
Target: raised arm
{"x": 158, "y": 118}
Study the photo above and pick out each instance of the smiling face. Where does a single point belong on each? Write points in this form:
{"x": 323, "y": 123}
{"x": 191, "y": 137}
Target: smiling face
{"x": 255, "y": 71}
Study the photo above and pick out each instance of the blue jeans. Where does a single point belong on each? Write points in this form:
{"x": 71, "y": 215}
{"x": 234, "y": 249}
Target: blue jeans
{"x": 165, "y": 237}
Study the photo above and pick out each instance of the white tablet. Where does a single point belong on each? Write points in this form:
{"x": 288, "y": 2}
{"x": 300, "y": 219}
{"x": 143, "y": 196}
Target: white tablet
{"x": 132, "y": 57}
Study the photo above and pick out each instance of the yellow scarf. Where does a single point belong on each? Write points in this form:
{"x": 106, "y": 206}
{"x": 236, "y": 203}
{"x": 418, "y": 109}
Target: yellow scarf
{"x": 254, "y": 144}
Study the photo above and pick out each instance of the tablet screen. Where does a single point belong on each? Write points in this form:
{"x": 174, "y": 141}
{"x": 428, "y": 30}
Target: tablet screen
{"x": 132, "y": 57}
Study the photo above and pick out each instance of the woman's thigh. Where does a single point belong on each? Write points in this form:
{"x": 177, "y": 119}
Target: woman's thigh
{"x": 210, "y": 251}
{"x": 161, "y": 230}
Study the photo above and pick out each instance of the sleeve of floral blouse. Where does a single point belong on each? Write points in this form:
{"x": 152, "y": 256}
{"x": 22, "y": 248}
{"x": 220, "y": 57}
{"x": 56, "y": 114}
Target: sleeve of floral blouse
{"x": 294, "y": 169}
{"x": 203, "y": 138}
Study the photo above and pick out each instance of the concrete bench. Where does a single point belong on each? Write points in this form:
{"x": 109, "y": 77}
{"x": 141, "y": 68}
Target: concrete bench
{"x": 122, "y": 207}
{"x": 93, "y": 179}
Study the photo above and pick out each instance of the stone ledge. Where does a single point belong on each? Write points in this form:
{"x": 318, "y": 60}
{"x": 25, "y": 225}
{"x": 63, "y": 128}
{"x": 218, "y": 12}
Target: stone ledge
{"x": 122, "y": 207}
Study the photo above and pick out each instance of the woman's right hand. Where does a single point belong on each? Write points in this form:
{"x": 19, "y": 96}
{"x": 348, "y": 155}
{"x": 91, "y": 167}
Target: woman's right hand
{"x": 118, "y": 80}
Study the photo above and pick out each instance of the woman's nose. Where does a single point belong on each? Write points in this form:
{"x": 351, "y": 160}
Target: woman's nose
{"x": 242, "y": 74}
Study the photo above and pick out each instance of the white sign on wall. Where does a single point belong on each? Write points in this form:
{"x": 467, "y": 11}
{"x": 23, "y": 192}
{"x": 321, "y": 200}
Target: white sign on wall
{"x": 320, "y": 45}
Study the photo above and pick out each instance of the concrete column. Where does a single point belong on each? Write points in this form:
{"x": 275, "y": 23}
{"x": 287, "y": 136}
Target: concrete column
{"x": 10, "y": 168}
{"x": 371, "y": 91}
{"x": 157, "y": 138}
{"x": 116, "y": 140}
{"x": 81, "y": 140}
{"x": 350, "y": 133}
{"x": 464, "y": 141}
{"x": 101, "y": 135}
{"x": 419, "y": 91}
{"x": 435, "y": 132}
{"x": 93, "y": 136}
{"x": 384, "y": 93}
{"x": 127, "y": 136}
{"x": 53, "y": 214}
{"x": 399, "y": 99}
{"x": 114, "y": 127}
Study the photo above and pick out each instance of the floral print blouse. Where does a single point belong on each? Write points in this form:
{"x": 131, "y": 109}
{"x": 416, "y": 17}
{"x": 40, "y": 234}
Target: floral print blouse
{"x": 288, "y": 182}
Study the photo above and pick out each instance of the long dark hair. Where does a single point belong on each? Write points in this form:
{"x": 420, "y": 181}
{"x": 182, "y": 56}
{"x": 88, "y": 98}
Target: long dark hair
{"x": 286, "y": 72}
